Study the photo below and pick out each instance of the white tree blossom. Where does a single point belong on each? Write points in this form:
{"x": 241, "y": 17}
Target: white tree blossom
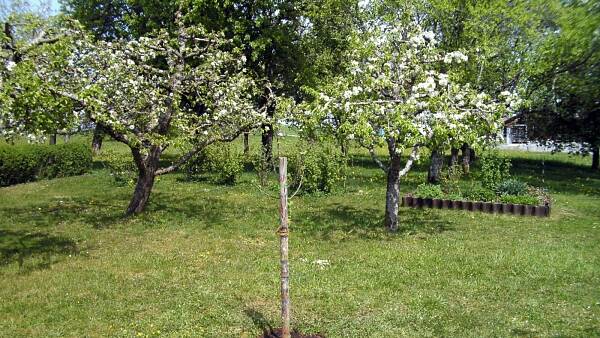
{"x": 399, "y": 93}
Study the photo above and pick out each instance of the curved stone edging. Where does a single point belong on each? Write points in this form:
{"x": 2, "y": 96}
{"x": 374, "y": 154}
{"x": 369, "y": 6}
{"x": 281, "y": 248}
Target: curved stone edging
{"x": 487, "y": 207}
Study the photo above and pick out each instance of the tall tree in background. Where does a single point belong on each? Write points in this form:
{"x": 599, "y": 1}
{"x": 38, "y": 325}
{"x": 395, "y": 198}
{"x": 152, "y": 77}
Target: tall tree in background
{"x": 499, "y": 36}
{"x": 564, "y": 86}
{"x": 327, "y": 45}
{"x": 26, "y": 105}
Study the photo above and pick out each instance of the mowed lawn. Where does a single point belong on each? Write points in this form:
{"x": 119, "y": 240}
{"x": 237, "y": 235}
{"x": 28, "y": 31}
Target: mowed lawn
{"x": 203, "y": 260}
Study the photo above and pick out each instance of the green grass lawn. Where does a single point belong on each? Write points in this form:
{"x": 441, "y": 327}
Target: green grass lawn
{"x": 203, "y": 260}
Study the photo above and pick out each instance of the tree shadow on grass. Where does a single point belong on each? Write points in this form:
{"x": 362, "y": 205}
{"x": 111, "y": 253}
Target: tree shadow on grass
{"x": 259, "y": 320}
{"x": 19, "y": 246}
{"x": 210, "y": 211}
{"x": 558, "y": 176}
{"x": 346, "y": 222}
{"x": 99, "y": 214}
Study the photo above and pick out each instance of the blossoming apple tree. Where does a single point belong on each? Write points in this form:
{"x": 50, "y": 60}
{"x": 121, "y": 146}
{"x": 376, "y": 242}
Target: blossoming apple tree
{"x": 399, "y": 93}
{"x": 27, "y": 107}
{"x": 184, "y": 89}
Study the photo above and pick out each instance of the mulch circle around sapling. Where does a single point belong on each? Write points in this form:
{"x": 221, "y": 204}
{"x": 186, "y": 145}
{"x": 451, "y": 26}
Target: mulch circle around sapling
{"x": 276, "y": 333}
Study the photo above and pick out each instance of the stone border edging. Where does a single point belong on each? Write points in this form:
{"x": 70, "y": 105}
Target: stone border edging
{"x": 487, "y": 207}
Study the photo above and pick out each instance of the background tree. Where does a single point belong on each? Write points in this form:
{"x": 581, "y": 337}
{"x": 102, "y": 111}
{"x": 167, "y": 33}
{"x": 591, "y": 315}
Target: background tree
{"x": 565, "y": 111}
{"x": 267, "y": 31}
{"x": 107, "y": 21}
{"x": 27, "y": 106}
{"x": 395, "y": 95}
{"x": 181, "y": 89}
{"x": 499, "y": 36}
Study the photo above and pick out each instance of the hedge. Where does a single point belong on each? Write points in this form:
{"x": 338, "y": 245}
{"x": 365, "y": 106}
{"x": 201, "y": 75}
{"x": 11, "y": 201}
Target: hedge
{"x": 30, "y": 162}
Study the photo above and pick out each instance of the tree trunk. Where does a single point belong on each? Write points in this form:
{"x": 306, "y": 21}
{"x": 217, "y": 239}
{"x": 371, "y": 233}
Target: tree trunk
{"x": 246, "y": 143}
{"x": 392, "y": 195}
{"x": 283, "y": 248}
{"x": 146, "y": 174}
{"x": 453, "y": 157}
{"x": 344, "y": 148}
{"x": 435, "y": 168}
{"x": 595, "y": 158}
{"x": 466, "y": 158}
{"x": 267, "y": 143}
{"x": 53, "y": 139}
{"x": 268, "y": 132}
{"x": 97, "y": 139}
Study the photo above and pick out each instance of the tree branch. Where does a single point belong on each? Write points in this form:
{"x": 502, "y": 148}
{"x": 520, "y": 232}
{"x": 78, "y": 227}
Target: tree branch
{"x": 183, "y": 159}
{"x": 109, "y": 130}
{"x": 414, "y": 155}
{"x": 377, "y": 160}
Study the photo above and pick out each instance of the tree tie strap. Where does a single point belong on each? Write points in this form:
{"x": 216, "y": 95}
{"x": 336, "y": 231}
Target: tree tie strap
{"x": 283, "y": 232}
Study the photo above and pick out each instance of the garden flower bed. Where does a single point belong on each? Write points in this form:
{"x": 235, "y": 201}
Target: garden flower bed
{"x": 488, "y": 207}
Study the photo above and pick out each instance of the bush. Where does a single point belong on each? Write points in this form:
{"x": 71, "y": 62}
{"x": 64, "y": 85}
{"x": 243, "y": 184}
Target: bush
{"x": 494, "y": 169}
{"x": 519, "y": 199}
{"x": 512, "y": 187}
{"x": 262, "y": 167}
{"x": 451, "y": 180}
{"x": 319, "y": 168}
{"x": 121, "y": 167}
{"x": 30, "y": 162}
{"x": 541, "y": 194}
{"x": 479, "y": 193}
{"x": 426, "y": 190}
{"x": 220, "y": 162}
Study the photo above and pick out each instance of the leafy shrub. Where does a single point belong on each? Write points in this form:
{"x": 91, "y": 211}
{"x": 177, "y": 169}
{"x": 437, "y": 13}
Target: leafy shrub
{"x": 451, "y": 180}
{"x": 69, "y": 159}
{"x": 219, "y": 161}
{"x": 511, "y": 187}
{"x": 426, "y": 190}
{"x": 541, "y": 194}
{"x": 479, "y": 193}
{"x": 19, "y": 164}
{"x": 519, "y": 199}
{"x": 121, "y": 167}
{"x": 262, "y": 167}
{"x": 318, "y": 168}
{"x": 30, "y": 162}
{"x": 494, "y": 169}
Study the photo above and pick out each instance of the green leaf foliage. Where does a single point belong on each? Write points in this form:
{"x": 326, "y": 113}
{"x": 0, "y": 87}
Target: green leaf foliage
{"x": 426, "y": 190}
{"x": 316, "y": 168}
{"x": 30, "y": 162}
{"x": 220, "y": 163}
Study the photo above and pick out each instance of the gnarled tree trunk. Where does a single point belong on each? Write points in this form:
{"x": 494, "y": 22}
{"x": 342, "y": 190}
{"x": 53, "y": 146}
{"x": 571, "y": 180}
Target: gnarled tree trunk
{"x": 267, "y": 143}
{"x": 435, "y": 168}
{"x": 97, "y": 139}
{"x": 595, "y": 158}
{"x": 267, "y": 130}
{"x": 147, "y": 167}
{"x": 344, "y": 148}
{"x": 453, "y": 157}
{"x": 246, "y": 143}
{"x": 466, "y": 158}
{"x": 392, "y": 195}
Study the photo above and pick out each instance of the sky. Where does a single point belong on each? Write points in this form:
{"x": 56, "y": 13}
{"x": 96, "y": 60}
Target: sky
{"x": 54, "y": 6}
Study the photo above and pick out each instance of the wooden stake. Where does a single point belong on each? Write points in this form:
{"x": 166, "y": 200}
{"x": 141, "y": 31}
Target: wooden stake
{"x": 283, "y": 247}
